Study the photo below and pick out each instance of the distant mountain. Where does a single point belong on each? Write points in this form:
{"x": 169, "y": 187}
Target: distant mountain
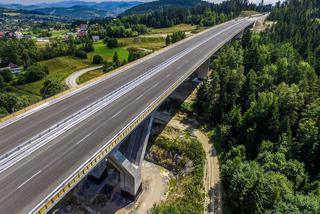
{"x": 15, "y": 19}
{"x": 16, "y": 12}
{"x": 78, "y": 9}
{"x": 164, "y": 4}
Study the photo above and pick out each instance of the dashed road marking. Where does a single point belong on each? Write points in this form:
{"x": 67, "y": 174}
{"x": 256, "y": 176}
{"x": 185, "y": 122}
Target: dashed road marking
{"x": 139, "y": 97}
{"x": 83, "y": 138}
{"x": 29, "y": 179}
{"x": 117, "y": 113}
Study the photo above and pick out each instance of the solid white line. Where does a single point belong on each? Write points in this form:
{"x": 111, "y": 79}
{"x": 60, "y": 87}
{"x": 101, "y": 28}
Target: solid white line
{"x": 29, "y": 179}
{"x": 19, "y": 117}
{"x": 84, "y": 164}
{"x": 117, "y": 113}
{"x": 84, "y": 138}
{"x": 82, "y": 114}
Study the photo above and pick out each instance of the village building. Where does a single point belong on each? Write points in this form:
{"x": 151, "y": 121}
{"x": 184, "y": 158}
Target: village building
{"x": 95, "y": 38}
{"x": 12, "y": 67}
{"x": 18, "y": 35}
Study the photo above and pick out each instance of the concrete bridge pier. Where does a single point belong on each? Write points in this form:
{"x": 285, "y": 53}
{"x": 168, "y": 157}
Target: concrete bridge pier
{"x": 203, "y": 71}
{"x": 128, "y": 157}
{"x": 239, "y": 35}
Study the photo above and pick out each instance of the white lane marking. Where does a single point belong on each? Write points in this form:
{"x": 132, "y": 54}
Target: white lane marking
{"x": 29, "y": 179}
{"x": 155, "y": 85}
{"x": 139, "y": 97}
{"x": 83, "y": 139}
{"x": 33, "y": 144}
{"x": 19, "y": 117}
{"x": 117, "y": 113}
{"x": 168, "y": 75}
{"x": 37, "y": 207}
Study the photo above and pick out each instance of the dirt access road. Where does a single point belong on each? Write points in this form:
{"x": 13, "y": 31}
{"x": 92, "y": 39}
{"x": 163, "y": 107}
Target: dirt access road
{"x": 212, "y": 175}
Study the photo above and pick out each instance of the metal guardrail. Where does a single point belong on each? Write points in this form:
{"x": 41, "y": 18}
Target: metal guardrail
{"x": 71, "y": 181}
{"x": 18, "y": 153}
{"x": 65, "y": 94}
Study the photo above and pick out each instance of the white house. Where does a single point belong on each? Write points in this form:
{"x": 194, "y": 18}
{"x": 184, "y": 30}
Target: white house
{"x": 95, "y": 38}
{"x": 18, "y": 35}
{"x": 13, "y": 68}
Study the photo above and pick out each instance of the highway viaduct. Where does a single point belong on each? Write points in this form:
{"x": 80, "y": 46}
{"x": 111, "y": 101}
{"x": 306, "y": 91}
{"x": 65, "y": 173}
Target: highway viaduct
{"x": 45, "y": 151}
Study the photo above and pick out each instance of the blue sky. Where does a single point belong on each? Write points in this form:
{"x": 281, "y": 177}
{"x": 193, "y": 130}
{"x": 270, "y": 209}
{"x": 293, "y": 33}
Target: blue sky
{"x": 37, "y": 1}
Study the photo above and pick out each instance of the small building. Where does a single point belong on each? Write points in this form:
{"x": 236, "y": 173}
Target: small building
{"x": 15, "y": 69}
{"x": 68, "y": 36}
{"x": 82, "y": 34}
{"x": 83, "y": 27}
{"x": 1, "y": 35}
{"x": 10, "y": 35}
{"x": 95, "y": 38}
{"x": 18, "y": 35}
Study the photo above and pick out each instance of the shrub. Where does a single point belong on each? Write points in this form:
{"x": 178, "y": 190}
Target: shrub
{"x": 81, "y": 54}
{"x": 135, "y": 54}
{"x": 7, "y": 75}
{"x": 107, "y": 66}
{"x": 2, "y": 84}
{"x": 51, "y": 87}
{"x": 97, "y": 59}
{"x": 111, "y": 43}
{"x": 33, "y": 73}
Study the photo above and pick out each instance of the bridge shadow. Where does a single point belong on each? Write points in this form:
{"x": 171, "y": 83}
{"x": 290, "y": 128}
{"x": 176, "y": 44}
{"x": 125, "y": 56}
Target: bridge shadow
{"x": 171, "y": 106}
{"x": 215, "y": 197}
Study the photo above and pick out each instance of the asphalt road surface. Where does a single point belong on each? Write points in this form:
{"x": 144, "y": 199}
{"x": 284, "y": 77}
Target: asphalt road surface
{"x": 71, "y": 81}
{"x": 25, "y": 184}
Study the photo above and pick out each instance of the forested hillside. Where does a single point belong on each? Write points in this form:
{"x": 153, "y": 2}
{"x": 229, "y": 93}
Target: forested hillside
{"x": 203, "y": 14}
{"x": 165, "y": 4}
{"x": 262, "y": 103}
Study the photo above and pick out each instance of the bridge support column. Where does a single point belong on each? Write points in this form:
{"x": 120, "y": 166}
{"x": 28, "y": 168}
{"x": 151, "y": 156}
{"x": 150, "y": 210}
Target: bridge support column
{"x": 127, "y": 159}
{"x": 239, "y": 35}
{"x": 203, "y": 70}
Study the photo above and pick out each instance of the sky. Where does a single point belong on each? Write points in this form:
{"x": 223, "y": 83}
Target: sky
{"x": 38, "y": 1}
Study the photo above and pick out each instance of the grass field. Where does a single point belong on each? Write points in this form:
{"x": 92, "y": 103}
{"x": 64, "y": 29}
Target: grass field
{"x": 32, "y": 97}
{"x": 59, "y": 33}
{"x": 180, "y": 27}
{"x": 90, "y": 75}
{"x": 107, "y": 54}
{"x": 60, "y": 67}
{"x": 150, "y": 43}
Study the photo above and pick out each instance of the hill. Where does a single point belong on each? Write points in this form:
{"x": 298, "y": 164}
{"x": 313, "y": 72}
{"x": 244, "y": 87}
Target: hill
{"x": 13, "y": 19}
{"x": 164, "y": 4}
{"x": 78, "y": 9}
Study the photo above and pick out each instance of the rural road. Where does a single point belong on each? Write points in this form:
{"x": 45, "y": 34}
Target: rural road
{"x": 71, "y": 81}
{"x": 212, "y": 177}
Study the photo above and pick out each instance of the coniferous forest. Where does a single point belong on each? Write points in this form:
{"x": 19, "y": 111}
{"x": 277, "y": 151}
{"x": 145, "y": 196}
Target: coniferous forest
{"x": 262, "y": 105}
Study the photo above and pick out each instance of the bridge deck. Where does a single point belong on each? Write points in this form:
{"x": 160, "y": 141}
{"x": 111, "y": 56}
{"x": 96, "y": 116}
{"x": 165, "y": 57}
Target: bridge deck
{"x": 25, "y": 184}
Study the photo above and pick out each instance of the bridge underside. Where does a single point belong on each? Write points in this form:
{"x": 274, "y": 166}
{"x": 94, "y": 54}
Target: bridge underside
{"x": 96, "y": 134}
{"x": 127, "y": 158}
